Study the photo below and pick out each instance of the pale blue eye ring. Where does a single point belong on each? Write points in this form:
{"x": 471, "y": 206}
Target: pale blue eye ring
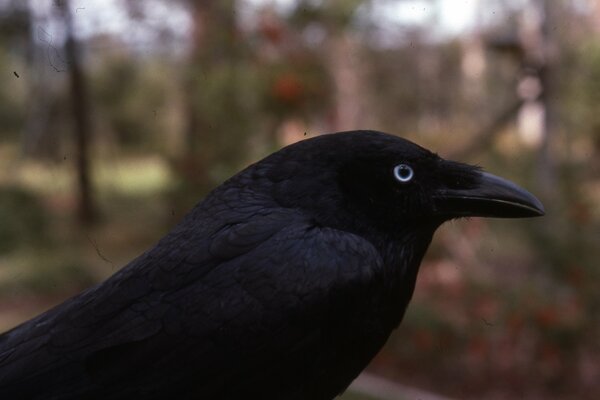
{"x": 403, "y": 173}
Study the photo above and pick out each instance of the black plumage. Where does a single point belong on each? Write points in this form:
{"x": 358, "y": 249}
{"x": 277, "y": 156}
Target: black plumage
{"x": 282, "y": 283}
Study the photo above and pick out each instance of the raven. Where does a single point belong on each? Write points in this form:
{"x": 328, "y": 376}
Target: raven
{"x": 282, "y": 283}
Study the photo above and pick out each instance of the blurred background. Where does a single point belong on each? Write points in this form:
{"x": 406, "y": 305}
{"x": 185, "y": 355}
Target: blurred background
{"x": 117, "y": 116}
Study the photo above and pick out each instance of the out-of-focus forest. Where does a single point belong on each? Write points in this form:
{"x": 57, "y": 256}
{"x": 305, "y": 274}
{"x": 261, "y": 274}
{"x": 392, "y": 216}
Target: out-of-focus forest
{"x": 117, "y": 116}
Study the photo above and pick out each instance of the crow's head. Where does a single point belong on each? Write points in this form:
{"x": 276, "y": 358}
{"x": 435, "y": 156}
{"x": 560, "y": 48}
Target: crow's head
{"x": 364, "y": 178}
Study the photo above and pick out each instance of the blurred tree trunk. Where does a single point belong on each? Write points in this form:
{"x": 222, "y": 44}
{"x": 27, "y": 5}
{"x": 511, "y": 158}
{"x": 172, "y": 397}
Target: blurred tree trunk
{"x": 38, "y": 111}
{"x": 201, "y": 11}
{"x": 212, "y": 43}
{"x": 211, "y": 50}
{"x": 485, "y": 136}
{"x": 82, "y": 126}
{"x": 347, "y": 69}
{"x": 546, "y": 165}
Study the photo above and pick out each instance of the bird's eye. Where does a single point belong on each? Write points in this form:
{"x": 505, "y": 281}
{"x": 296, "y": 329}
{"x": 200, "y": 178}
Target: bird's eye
{"x": 403, "y": 173}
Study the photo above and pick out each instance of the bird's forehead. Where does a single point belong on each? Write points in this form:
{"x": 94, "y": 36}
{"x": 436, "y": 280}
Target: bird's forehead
{"x": 325, "y": 156}
{"x": 365, "y": 145}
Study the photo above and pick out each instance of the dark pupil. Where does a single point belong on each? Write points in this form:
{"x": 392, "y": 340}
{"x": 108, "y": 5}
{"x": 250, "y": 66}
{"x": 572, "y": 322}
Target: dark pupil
{"x": 404, "y": 172}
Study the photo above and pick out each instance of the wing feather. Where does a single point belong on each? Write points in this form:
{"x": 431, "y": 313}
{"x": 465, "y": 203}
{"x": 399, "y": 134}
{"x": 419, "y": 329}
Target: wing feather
{"x": 223, "y": 314}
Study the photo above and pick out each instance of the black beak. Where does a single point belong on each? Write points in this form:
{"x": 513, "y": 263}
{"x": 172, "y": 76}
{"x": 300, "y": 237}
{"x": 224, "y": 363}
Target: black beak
{"x": 491, "y": 196}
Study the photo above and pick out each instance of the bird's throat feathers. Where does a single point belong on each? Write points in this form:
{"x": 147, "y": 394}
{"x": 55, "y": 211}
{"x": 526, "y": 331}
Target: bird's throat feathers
{"x": 401, "y": 261}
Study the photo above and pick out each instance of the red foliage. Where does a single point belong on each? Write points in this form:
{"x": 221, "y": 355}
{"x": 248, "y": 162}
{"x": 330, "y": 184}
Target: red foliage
{"x": 288, "y": 88}
{"x": 271, "y": 30}
{"x": 547, "y": 316}
{"x": 423, "y": 340}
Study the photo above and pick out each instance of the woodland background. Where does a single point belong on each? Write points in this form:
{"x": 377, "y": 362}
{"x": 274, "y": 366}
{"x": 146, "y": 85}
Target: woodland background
{"x": 117, "y": 116}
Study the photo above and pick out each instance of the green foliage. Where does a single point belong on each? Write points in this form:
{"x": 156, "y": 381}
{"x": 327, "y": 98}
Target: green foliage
{"x": 582, "y": 91}
{"x": 336, "y": 15}
{"x": 12, "y": 102}
{"x": 129, "y": 98}
{"x": 55, "y": 275}
{"x": 224, "y": 98}
{"x": 23, "y": 220}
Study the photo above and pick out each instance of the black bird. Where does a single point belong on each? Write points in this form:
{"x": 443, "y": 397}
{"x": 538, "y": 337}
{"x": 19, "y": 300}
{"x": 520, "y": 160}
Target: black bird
{"x": 281, "y": 284}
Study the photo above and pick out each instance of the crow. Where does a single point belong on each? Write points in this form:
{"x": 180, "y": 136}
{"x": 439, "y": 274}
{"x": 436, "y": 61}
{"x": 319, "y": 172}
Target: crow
{"x": 283, "y": 283}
